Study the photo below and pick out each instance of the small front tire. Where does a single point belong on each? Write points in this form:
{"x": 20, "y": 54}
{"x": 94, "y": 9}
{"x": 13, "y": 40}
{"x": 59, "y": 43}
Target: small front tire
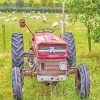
{"x": 82, "y": 81}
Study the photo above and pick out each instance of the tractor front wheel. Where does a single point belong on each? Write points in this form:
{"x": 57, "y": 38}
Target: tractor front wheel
{"x": 16, "y": 83}
{"x": 82, "y": 81}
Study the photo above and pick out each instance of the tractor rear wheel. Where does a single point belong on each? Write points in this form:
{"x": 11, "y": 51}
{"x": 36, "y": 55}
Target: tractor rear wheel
{"x": 71, "y": 50}
{"x": 17, "y": 64}
{"x": 82, "y": 81}
{"x": 16, "y": 83}
{"x": 17, "y": 50}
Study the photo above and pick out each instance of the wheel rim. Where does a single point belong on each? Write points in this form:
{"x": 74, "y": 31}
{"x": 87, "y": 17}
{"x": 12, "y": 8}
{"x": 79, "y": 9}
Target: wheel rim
{"x": 78, "y": 81}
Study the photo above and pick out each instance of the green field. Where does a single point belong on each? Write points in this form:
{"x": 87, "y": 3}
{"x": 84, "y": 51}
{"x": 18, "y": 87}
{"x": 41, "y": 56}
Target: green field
{"x": 13, "y": 1}
{"x": 25, "y": 1}
{"x": 37, "y": 91}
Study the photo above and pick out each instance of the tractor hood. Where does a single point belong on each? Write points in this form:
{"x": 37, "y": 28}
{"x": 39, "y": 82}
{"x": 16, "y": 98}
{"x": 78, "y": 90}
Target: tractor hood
{"x": 48, "y": 38}
{"x": 48, "y": 45}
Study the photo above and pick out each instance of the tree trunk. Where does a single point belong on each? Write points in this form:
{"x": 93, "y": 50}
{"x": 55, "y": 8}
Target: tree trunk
{"x": 89, "y": 37}
{"x": 4, "y": 38}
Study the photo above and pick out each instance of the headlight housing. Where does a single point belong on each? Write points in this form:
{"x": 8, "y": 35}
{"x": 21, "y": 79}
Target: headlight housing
{"x": 63, "y": 66}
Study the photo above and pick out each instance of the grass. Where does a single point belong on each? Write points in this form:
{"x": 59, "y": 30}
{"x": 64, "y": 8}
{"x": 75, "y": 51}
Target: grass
{"x": 34, "y": 90}
{"x": 13, "y": 1}
{"x": 25, "y": 1}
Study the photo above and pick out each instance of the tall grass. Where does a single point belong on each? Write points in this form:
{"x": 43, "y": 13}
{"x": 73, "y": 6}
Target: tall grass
{"x": 34, "y": 90}
{"x": 4, "y": 37}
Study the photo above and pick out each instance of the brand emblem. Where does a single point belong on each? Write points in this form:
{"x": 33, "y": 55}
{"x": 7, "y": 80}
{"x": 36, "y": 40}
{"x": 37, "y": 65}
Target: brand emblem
{"x": 52, "y": 50}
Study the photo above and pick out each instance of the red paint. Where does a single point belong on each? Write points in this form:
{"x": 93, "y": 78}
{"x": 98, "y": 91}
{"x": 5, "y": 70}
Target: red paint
{"x": 42, "y": 39}
{"x": 51, "y": 55}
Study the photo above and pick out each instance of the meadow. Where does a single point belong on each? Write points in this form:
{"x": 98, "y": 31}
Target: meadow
{"x": 34, "y": 90}
{"x": 13, "y": 1}
{"x": 25, "y": 1}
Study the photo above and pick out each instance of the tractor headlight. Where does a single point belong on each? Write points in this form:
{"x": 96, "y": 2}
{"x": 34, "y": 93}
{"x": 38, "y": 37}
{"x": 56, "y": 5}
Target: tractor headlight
{"x": 63, "y": 65}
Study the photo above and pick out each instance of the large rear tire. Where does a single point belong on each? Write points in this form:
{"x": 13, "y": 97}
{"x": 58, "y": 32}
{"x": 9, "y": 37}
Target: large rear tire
{"x": 82, "y": 81}
{"x": 17, "y": 65}
{"x": 17, "y": 50}
{"x": 71, "y": 50}
{"x": 16, "y": 83}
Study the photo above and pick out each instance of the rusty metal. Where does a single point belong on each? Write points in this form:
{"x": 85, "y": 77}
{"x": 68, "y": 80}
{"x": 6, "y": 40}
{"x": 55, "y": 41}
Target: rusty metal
{"x": 29, "y": 72}
{"x": 26, "y": 72}
{"x": 78, "y": 79}
{"x": 51, "y": 67}
{"x": 51, "y": 72}
{"x": 29, "y": 30}
{"x": 27, "y": 54}
{"x": 71, "y": 70}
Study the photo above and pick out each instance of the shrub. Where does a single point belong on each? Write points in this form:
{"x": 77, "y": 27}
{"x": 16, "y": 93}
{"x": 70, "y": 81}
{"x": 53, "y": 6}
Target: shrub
{"x": 19, "y": 3}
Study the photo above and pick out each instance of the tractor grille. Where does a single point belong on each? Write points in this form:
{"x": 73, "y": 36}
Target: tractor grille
{"x": 50, "y": 67}
{"x": 52, "y": 49}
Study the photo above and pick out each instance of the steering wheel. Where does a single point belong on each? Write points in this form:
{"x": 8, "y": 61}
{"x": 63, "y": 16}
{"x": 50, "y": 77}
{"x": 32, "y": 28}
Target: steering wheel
{"x": 44, "y": 30}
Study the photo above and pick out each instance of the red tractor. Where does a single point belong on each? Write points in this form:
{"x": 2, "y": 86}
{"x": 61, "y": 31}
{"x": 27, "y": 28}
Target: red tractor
{"x": 50, "y": 58}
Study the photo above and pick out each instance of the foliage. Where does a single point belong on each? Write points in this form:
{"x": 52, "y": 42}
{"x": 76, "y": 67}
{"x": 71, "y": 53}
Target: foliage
{"x": 31, "y": 2}
{"x": 44, "y": 2}
{"x": 87, "y": 12}
{"x": 19, "y": 3}
{"x": 59, "y": 1}
{"x": 36, "y": 5}
{"x": 9, "y": 1}
{"x": 50, "y": 3}
{"x": 96, "y": 35}
{"x": 5, "y": 3}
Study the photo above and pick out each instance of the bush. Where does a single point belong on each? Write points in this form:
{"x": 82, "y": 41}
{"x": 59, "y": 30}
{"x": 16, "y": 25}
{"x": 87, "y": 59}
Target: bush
{"x": 19, "y": 3}
{"x": 31, "y": 3}
{"x": 36, "y": 5}
{"x": 5, "y": 3}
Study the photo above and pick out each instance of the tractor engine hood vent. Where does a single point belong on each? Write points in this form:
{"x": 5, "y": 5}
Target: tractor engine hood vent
{"x": 52, "y": 50}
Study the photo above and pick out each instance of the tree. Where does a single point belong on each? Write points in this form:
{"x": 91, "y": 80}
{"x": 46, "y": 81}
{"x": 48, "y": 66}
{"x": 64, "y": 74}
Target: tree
{"x": 50, "y": 3}
{"x": 87, "y": 12}
{"x": 5, "y": 3}
{"x": 96, "y": 35}
{"x": 19, "y": 3}
{"x": 31, "y": 2}
{"x": 44, "y": 2}
{"x": 9, "y": 1}
{"x": 59, "y": 1}
{"x": 96, "y": 31}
